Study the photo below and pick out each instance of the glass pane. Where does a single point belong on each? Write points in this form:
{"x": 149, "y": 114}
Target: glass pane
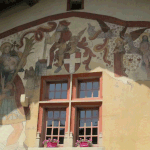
{"x": 64, "y": 86}
{"x": 55, "y": 138}
{"x": 89, "y": 85}
{"x": 56, "y": 114}
{"x": 56, "y": 123}
{"x": 95, "y": 93}
{"x": 61, "y": 140}
{"x": 96, "y": 85}
{"x": 49, "y": 130}
{"x": 95, "y": 122}
{"x": 51, "y": 95}
{"x": 88, "y": 122}
{"x": 62, "y": 123}
{"x": 88, "y": 138}
{"x": 95, "y": 113}
{"x": 82, "y": 94}
{"x": 57, "y": 95}
{"x": 64, "y": 95}
{"x": 58, "y": 87}
{"x": 88, "y": 131}
{"x": 52, "y": 87}
{"x": 62, "y": 131}
{"x": 89, "y": 93}
{"x": 94, "y": 131}
{"x": 48, "y": 138}
{"x": 82, "y": 114}
{"x": 94, "y": 140}
{"x": 82, "y": 86}
{"x": 81, "y": 123}
{"x": 81, "y": 131}
{"x": 63, "y": 114}
{"x": 55, "y": 131}
{"x": 50, "y": 114}
{"x": 81, "y": 137}
{"x": 88, "y": 114}
{"x": 49, "y": 123}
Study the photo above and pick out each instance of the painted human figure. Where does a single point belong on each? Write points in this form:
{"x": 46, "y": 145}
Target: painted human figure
{"x": 59, "y": 39}
{"x": 145, "y": 49}
{"x": 119, "y": 51}
{"x": 9, "y": 113}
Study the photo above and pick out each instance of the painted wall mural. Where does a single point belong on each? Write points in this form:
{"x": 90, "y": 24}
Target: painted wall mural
{"x": 63, "y": 46}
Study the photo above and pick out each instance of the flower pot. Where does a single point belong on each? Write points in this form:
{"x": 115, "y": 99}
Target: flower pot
{"x": 50, "y": 144}
{"x": 84, "y": 144}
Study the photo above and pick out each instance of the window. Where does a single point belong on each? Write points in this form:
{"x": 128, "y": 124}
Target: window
{"x": 58, "y": 90}
{"x": 88, "y": 88}
{"x": 78, "y": 110}
{"x": 88, "y": 124}
{"x": 75, "y": 4}
{"x": 55, "y": 125}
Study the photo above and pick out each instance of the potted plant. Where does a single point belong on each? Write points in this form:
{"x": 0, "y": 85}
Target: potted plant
{"x": 50, "y": 143}
{"x": 84, "y": 143}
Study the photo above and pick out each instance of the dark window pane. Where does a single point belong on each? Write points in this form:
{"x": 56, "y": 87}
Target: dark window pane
{"x": 62, "y": 123}
{"x": 49, "y": 123}
{"x": 63, "y": 114}
{"x": 56, "y": 114}
{"x": 88, "y": 138}
{"x": 81, "y": 138}
{"x": 95, "y": 113}
{"x": 88, "y": 131}
{"x": 94, "y": 140}
{"x": 56, "y": 122}
{"x": 49, "y": 130}
{"x": 94, "y": 131}
{"x": 95, "y": 122}
{"x": 55, "y": 138}
{"x": 88, "y": 114}
{"x": 64, "y": 95}
{"x": 55, "y": 131}
{"x": 82, "y": 114}
{"x": 89, "y": 93}
{"x": 58, "y": 87}
{"x": 88, "y": 122}
{"x": 64, "y": 86}
{"x": 95, "y": 93}
{"x": 57, "y": 95}
{"x": 62, "y": 131}
{"x": 51, "y": 95}
{"x": 52, "y": 87}
{"x": 50, "y": 114}
{"x": 48, "y": 138}
{"x": 81, "y": 131}
{"x": 82, "y": 94}
{"x": 81, "y": 123}
{"x": 89, "y": 85}
{"x": 61, "y": 140}
{"x": 95, "y": 85}
{"x": 82, "y": 86}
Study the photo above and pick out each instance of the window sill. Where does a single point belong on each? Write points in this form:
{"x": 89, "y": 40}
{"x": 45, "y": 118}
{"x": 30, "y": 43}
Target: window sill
{"x": 69, "y": 148}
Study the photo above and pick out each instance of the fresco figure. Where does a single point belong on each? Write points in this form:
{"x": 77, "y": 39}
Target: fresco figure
{"x": 59, "y": 39}
{"x": 119, "y": 52}
{"x": 145, "y": 49}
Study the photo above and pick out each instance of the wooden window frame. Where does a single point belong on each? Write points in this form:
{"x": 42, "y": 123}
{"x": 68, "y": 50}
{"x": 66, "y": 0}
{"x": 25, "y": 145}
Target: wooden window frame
{"x": 45, "y": 80}
{"x": 69, "y": 7}
{"x": 86, "y": 76}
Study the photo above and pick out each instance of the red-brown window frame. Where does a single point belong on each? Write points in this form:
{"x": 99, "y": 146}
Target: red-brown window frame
{"x": 45, "y": 80}
{"x": 68, "y": 5}
{"x": 86, "y": 76}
